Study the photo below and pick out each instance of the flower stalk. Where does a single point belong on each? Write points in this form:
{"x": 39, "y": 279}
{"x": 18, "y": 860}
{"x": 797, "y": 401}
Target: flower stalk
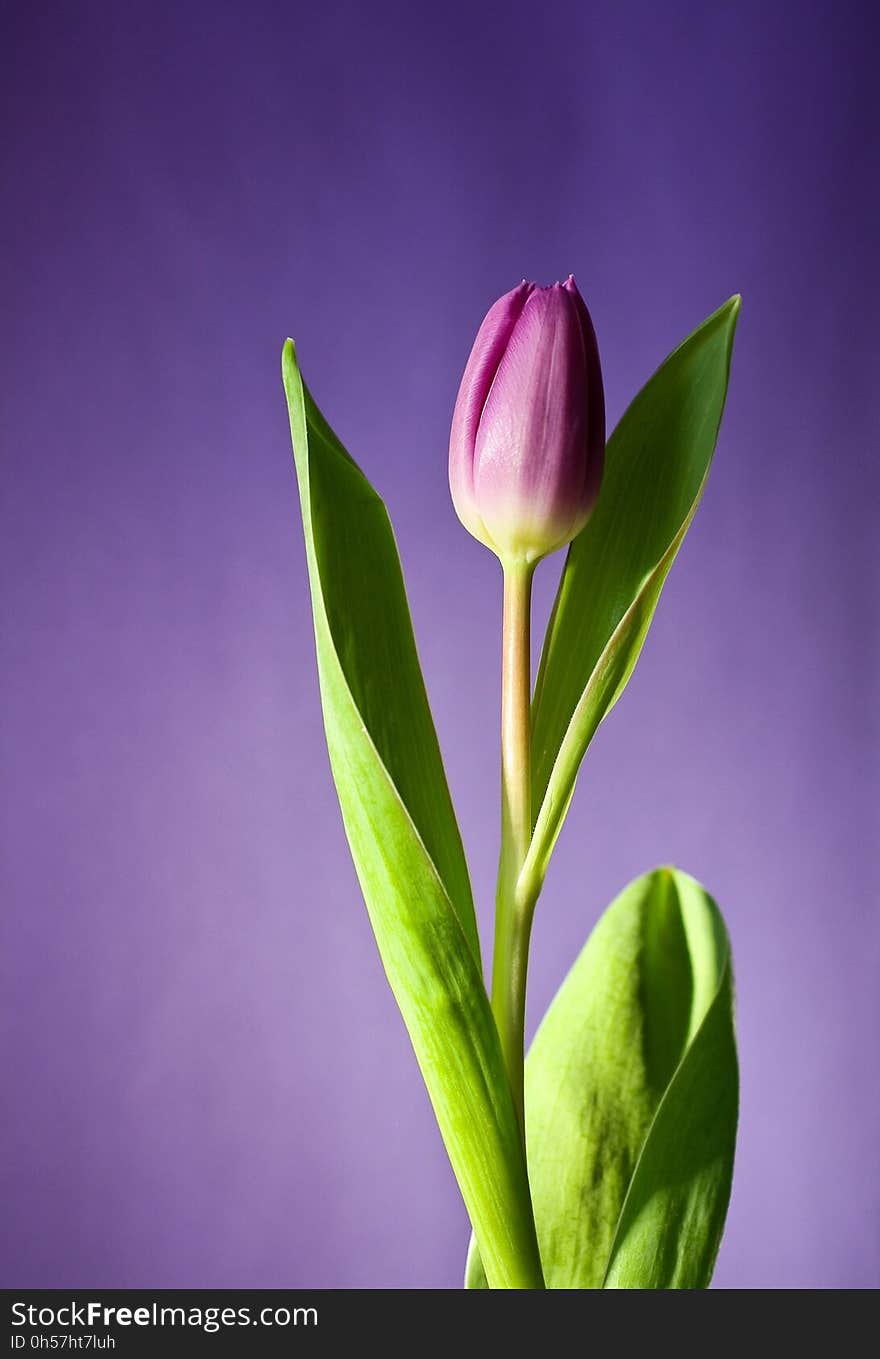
{"x": 513, "y": 916}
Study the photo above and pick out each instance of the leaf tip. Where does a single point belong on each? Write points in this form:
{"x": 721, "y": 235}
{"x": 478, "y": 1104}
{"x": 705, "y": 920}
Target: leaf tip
{"x": 665, "y": 875}
{"x": 288, "y": 358}
{"x": 729, "y": 311}
{"x": 723, "y": 322}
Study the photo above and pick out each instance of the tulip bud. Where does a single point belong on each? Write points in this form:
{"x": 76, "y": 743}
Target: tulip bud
{"x": 528, "y": 431}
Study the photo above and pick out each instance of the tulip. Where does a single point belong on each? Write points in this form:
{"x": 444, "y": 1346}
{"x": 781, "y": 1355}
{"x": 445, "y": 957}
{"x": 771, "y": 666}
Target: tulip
{"x": 525, "y": 464}
{"x": 528, "y": 430}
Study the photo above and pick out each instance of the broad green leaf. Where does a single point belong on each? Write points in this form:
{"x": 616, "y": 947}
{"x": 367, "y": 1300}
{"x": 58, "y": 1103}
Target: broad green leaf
{"x": 656, "y": 466}
{"x": 631, "y": 1097}
{"x": 402, "y": 833}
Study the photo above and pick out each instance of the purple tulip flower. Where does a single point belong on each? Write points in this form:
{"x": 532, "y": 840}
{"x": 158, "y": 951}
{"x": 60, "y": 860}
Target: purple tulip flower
{"x": 528, "y": 431}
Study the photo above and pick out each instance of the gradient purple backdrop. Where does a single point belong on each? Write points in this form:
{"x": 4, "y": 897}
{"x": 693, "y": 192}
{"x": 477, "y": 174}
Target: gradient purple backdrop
{"x": 207, "y": 1080}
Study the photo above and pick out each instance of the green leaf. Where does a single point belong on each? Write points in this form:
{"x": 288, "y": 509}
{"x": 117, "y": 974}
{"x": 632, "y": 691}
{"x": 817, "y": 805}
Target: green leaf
{"x": 631, "y": 1097}
{"x": 402, "y": 833}
{"x": 657, "y": 462}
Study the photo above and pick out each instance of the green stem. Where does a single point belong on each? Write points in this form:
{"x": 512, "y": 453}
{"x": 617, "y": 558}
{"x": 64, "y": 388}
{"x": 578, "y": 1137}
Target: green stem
{"x": 513, "y": 916}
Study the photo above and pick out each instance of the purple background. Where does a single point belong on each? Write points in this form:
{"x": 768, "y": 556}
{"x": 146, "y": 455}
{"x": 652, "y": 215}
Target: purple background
{"x": 206, "y": 1077}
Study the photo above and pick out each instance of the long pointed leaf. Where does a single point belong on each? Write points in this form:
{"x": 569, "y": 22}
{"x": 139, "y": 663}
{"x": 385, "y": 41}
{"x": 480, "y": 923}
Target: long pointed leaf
{"x": 402, "y": 833}
{"x": 657, "y": 462}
